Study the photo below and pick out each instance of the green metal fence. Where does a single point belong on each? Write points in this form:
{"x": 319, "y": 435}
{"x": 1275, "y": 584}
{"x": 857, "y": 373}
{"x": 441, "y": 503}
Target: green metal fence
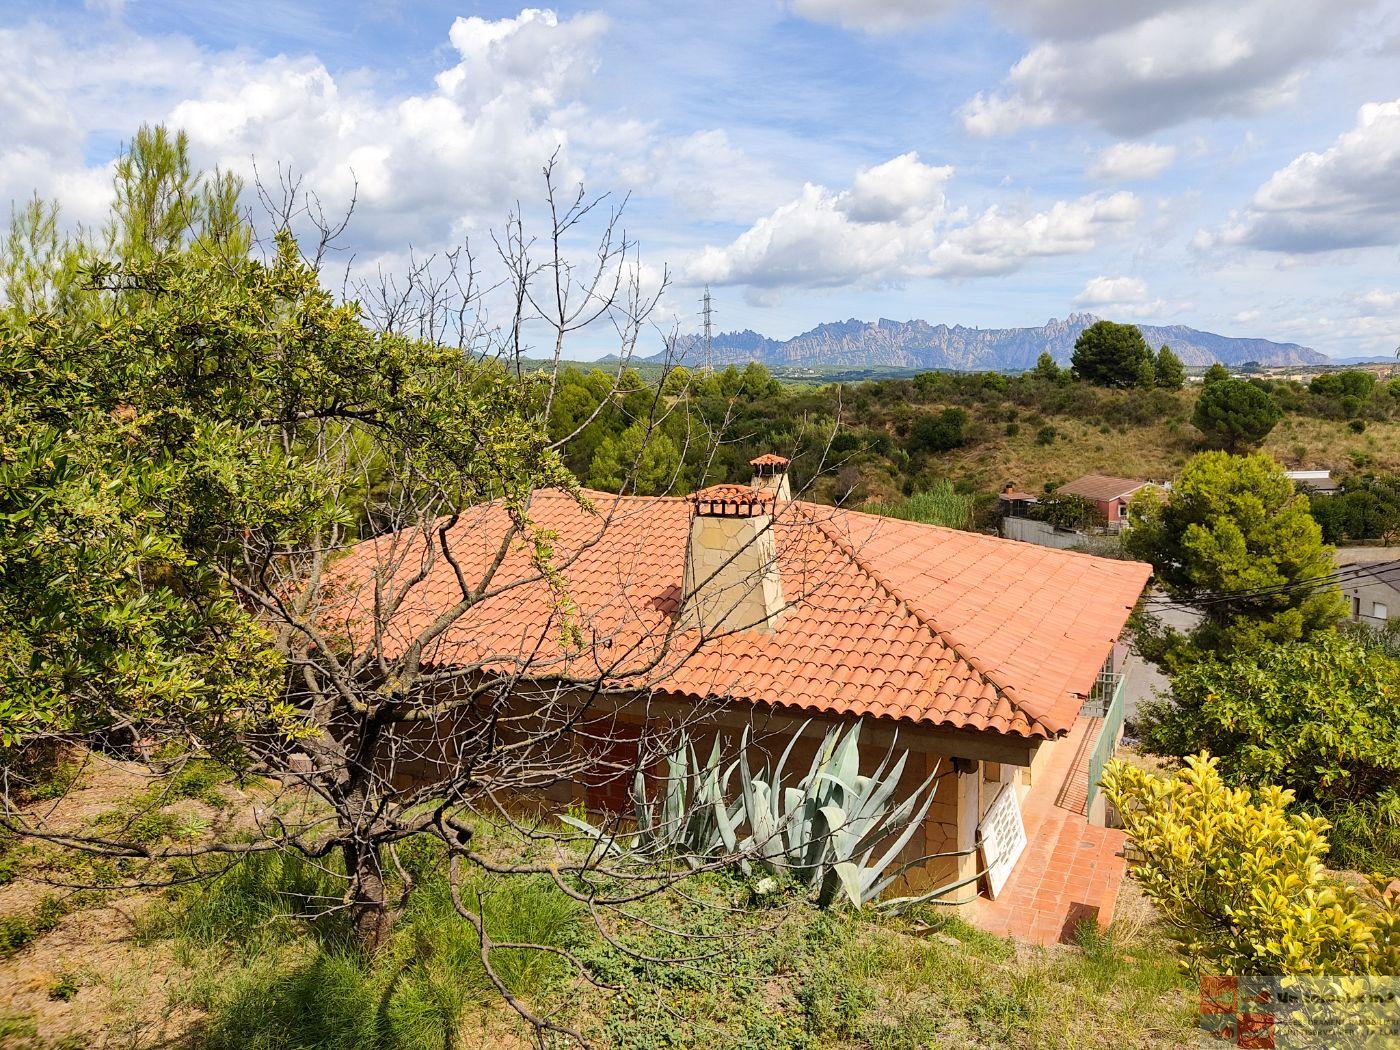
{"x": 1108, "y": 737}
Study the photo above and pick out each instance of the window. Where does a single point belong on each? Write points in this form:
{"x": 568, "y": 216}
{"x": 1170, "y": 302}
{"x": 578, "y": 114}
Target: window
{"x": 1379, "y": 611}
{"x": 1356, "y": 606}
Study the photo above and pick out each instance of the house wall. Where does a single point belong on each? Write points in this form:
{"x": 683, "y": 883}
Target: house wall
{"x": 968, "y": 769}
{"x": 1363, "y": 597}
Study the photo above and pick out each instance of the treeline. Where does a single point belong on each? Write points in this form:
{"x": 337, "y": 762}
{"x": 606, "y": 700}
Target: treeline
{"x": 886, "y": 438}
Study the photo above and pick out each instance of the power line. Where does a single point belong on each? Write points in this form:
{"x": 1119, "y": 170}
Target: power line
{"x": 1311, "y": 583}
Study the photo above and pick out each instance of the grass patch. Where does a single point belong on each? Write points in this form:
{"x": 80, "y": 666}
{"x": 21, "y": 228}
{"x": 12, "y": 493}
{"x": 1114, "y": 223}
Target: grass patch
{"x": 275, "y": 966}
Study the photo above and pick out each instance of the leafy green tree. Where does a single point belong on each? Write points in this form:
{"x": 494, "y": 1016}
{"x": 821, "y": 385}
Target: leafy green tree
{"x": 636, "y": 462}
{"x": 1066, "y": 511}
{"x": 1365, "y": 508}
{"x": 1216, "y": 373}
{"x": 1235, "y": 415}
{"x": 1321, "y": 718}
{"x": 1170, "y": 372}
{"x": 757, "y": 382}
{"x": 1113, "y": 355}
{"x": 1236, "y": 541}
{"x": 940, "y": 432}
{"x": 1047, "y": 371}
{"x": 1353, "y": 383}
{"x": 1240, "y": 877}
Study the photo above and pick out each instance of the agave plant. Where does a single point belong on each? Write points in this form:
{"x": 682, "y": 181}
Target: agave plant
{"x": 835, "y": 831}
{"x": 689, "y": 818}
{"x": 827, "y": 830}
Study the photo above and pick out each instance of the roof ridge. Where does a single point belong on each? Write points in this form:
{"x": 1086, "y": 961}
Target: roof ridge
{"x": 1003, "y": 689}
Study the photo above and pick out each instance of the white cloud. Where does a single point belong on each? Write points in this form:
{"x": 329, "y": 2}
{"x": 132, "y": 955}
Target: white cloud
{"x": 899, "y": 190}
{"x": 1136, "y": 67}
{"x": 704, "y": 173}
{"x": 1131, "y": 161}
{"x": 1100, "y": 291}
{"x": 876, "y": 16}
{"x": 1376, "y": 302}
{"x": 424, "y": 166}
{"x": 1126, "y": 295}
{"x": 1347, "y": 196}
{"x": 893, "y": 224}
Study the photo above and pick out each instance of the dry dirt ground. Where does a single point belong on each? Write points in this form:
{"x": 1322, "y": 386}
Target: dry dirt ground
{"x": 90, "y": 981}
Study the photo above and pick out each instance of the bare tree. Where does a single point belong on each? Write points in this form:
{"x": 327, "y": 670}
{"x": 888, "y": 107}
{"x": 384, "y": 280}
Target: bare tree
{"x": 437, "y": 663}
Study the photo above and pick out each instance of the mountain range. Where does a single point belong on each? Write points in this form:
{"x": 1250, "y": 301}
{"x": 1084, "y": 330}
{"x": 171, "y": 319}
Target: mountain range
{"x": 918, "y": 344}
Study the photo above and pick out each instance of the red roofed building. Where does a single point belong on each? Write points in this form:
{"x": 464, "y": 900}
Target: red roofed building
{"x": 980, "y": 653}
{"x": 1109, "y": 494}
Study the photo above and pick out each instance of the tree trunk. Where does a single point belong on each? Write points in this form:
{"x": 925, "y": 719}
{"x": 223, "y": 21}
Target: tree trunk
{"x": 369, "y": 913}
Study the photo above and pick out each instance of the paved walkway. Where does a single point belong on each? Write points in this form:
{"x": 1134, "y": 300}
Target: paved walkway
{"x": 1071, "y": 870}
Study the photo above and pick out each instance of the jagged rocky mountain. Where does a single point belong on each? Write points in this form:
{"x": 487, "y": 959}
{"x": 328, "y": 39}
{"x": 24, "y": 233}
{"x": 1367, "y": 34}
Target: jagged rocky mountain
{"x": 918, "y": 344}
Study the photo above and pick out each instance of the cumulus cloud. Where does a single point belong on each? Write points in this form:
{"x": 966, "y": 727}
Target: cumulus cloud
{"x": 1126, "y": 295}
{"x": 424, "y": 168}
{"x": 1347, "y": 196}
{"x": 895, "y": 223}
{"x": 876, "y": 16}
{"x": 1131, "y": 161}
{"x": 435, "y": 161}
{"x": 1136, "y": 67}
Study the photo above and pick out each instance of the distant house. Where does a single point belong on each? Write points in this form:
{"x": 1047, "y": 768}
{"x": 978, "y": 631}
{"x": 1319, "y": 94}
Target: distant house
{"x": 994, "y": 663}
{"x": 1370, "y": 581}
{"x": 1015, "y": 503}
{"x": 1313, "y": 480}
{"x": 1108, "y": 493}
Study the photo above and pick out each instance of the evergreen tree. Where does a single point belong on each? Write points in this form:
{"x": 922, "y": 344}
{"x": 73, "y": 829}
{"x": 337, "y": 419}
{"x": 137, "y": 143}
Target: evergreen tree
{"x": 1114, "y": 355}
{"x": 1216, "y": 373}
{"x": 1235, "y": 415}
{"x": 1171, "y": 373}
{"x": 1233, "y": 526}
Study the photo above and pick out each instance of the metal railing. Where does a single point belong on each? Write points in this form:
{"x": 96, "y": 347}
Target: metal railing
{"x": 1101, "y": 695}
{"x": 1108, "y": 736}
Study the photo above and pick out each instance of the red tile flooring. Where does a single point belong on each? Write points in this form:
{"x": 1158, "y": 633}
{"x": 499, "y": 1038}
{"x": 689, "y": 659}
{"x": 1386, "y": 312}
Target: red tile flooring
{"x": 1070, "y": 870}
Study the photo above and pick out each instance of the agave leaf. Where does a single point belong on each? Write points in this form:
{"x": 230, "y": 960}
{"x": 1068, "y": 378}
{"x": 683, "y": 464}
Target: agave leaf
{"x": 850, "y": 877}
{"x": 914, "y": 824}
{"x": 848, "y": 757}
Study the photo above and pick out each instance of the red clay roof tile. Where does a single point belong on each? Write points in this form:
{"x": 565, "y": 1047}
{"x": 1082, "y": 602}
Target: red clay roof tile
{"x": 886, "y": 618}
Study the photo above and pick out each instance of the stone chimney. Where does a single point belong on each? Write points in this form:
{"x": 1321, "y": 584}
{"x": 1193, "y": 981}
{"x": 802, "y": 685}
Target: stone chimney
{"x": 731, "y": 565}
{"x": 770, "y": 475}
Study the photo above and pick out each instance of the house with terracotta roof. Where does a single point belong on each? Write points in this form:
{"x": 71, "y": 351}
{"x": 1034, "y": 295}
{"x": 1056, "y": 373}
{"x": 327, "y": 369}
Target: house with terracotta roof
{"x": 1109, "y": 494}
{"x": 992, "y": 662}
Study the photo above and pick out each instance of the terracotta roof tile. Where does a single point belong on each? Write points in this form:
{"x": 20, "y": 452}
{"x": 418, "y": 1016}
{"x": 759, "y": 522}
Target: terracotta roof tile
{"x": 1101, "y": 487}
{"x": 885, "y": 618}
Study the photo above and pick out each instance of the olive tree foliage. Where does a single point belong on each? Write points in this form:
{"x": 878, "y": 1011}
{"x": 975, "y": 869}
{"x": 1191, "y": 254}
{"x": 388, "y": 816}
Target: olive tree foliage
{"x": 1235, "y": 541}
{"x": 1114, "y": 355}
{"x": 1235, "y": 415}
{"x": 195, "y": 431}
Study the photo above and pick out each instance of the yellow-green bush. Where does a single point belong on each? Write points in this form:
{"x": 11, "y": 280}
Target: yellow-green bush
{"x": 1241, "y": 880}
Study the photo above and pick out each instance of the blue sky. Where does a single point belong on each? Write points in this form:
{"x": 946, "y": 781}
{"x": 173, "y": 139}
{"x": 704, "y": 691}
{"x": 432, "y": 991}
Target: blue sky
{"x": 1234, "y": 167}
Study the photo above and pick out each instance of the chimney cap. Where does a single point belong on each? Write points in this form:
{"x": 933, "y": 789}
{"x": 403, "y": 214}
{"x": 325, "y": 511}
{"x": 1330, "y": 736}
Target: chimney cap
{"x": 731, "y": 501}
{"x": 770, "y": 463}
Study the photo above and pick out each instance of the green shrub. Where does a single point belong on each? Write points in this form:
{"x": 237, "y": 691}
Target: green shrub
{"x": 1046, "y": 435}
